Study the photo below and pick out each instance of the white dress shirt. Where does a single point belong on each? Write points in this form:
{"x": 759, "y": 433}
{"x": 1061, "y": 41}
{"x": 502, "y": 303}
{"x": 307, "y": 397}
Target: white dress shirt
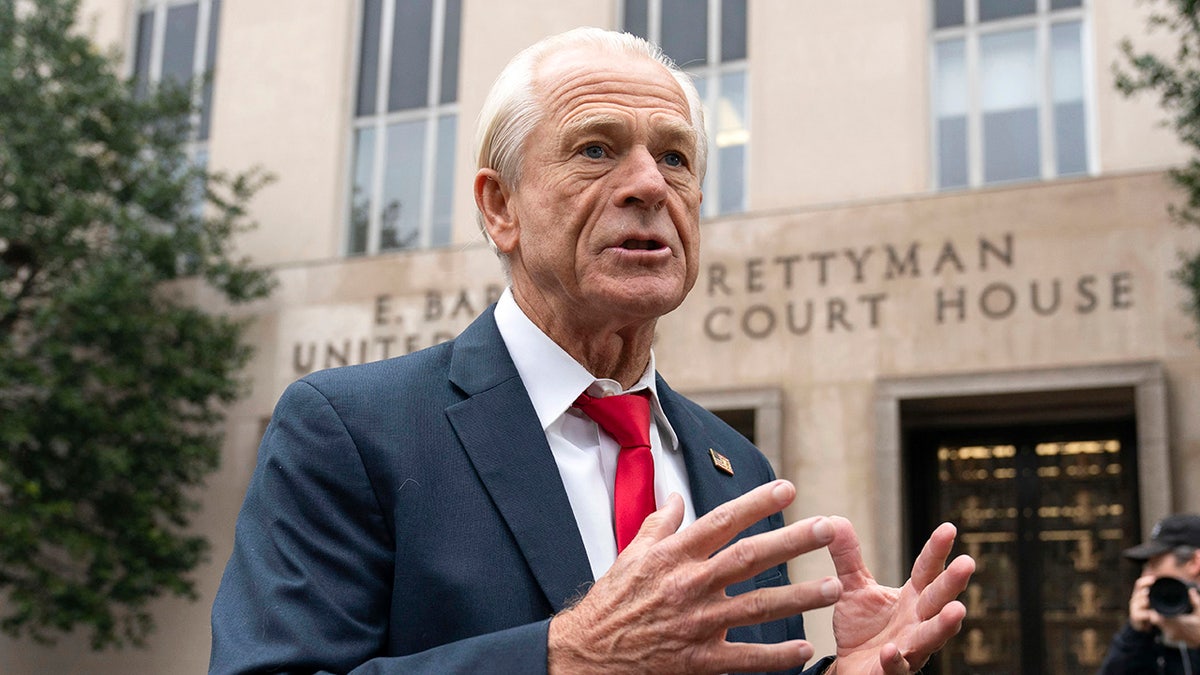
{"x": 586, "y": 456}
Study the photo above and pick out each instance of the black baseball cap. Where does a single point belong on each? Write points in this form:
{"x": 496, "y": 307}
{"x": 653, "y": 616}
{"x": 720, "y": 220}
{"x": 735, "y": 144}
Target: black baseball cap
{"x": 1178, "y": 530}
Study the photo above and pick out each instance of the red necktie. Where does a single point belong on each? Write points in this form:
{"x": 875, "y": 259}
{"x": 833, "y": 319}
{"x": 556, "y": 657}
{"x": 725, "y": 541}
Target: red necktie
{"x": 626, "y": 417}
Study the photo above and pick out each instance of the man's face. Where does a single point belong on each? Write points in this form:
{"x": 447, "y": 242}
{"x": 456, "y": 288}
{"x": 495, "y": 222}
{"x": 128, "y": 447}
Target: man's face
{"x": 1167, "y": 565}
{"x": 606, "y": 213}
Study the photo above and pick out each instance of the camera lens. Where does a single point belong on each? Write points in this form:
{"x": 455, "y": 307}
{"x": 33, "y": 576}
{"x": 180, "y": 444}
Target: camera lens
{"x": 1169, "y": 597}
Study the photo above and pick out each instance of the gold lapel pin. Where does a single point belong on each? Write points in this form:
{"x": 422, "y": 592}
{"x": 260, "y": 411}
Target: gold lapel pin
{"x": 721, "y": 461}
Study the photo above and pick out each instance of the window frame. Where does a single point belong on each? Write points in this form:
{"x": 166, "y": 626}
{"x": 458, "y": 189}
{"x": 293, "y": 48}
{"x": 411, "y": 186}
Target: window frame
{"x": 711, "y": 71}
{"x": 970, "y": 33}
{"x": 197, "y": 145}
{"x": 767, "y": 404}
{"x": 381, "y": 119}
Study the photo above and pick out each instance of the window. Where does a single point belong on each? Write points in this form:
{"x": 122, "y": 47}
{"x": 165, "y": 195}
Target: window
{"x": 756, "y": 414}
{"x": 707, "y": 38}
{"x": 406, "y": 118}
{"x": 177, "y": 44}
{"x": 1009, "y": 92}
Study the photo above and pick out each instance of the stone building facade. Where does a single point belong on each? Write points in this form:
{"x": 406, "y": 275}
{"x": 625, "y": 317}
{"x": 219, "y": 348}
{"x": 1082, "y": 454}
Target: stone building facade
{"x": 935, "y": 280}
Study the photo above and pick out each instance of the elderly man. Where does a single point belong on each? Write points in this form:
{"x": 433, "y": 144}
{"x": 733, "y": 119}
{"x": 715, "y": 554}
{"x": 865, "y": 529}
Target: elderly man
{"x": 1153, "y": 643}
{"x": 531, "y": 497}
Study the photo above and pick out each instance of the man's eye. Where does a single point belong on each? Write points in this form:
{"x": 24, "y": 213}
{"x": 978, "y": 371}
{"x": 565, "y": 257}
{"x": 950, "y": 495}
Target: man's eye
{"x": 673, "y": 159}
{"x": 593, "y": 152}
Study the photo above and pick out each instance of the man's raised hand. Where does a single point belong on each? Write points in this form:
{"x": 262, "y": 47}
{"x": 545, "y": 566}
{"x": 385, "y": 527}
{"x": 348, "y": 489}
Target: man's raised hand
{"x": 662, "y": 606}
{"x": 894, "y": 631}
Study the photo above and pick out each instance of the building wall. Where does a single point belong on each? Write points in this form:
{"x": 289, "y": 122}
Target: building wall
{"x": 963, "y": 308}
{"x": 901, "y": 282}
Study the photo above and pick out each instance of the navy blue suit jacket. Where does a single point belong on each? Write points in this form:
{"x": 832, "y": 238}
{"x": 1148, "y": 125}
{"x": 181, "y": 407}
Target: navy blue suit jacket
{"x": 407, "y": 516}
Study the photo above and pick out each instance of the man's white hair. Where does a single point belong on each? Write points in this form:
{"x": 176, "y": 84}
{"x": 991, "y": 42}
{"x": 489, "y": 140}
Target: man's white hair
{"x": 512, "y": 109}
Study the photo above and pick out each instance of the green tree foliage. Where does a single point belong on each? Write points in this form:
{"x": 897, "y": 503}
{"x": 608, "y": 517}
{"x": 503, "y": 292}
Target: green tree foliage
{"x": 111, "y": 384}
{"x": 1175, "y": 77}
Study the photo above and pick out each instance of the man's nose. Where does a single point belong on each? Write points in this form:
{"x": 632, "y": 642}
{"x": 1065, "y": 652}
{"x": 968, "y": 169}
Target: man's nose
{"x": 641, "y": 181}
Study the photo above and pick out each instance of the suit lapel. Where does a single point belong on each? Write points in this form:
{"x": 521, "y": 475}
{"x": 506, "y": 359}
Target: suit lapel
{"x": 710, "y": 487}
{"x": 499, "y": 431}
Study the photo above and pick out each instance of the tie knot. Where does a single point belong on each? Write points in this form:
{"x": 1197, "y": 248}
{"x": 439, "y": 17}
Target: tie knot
{"x": 625, "y": 417}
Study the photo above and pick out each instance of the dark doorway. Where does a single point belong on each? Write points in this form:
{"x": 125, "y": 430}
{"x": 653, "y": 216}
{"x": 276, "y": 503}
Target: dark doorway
{"x": 743, "y": 420}
{"x": 1045, "y": 499}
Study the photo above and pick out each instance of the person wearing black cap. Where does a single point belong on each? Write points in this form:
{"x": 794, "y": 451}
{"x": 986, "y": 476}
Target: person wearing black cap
{"x": 1167, "y": 641}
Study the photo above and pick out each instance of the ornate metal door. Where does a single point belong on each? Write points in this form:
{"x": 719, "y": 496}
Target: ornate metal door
{"x": 1045, "y": 511}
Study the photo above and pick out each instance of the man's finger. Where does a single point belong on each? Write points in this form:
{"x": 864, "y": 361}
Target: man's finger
{"x": 892, "y": 661}
{"x": 947, "y": 586}
{"x": 933, "y": 556}
{"x": 847, "y": 556}
{"x": 752, "y": 555}
{"x": 930, "y": 636}
{"x": 717, "y": 527}
{"x": 660, "y": 524}
{"x": 742, "y": 656}
{"x": 777, "y": 602}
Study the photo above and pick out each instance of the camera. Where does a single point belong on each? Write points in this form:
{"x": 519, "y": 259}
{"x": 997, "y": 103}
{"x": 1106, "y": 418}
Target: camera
{"x": 1169, "y": 596}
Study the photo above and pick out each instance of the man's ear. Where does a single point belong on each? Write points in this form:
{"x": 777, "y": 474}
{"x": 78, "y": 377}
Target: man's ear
{"x": 493, "y": 199}
{"x": 1193, "y": 566}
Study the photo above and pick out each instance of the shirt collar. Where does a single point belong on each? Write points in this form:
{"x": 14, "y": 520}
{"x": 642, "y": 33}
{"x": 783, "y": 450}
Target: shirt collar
{"x": 553, "y": 378}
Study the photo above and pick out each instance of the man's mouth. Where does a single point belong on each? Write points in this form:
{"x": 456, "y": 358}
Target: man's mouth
{"x": 641, "y": 244}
